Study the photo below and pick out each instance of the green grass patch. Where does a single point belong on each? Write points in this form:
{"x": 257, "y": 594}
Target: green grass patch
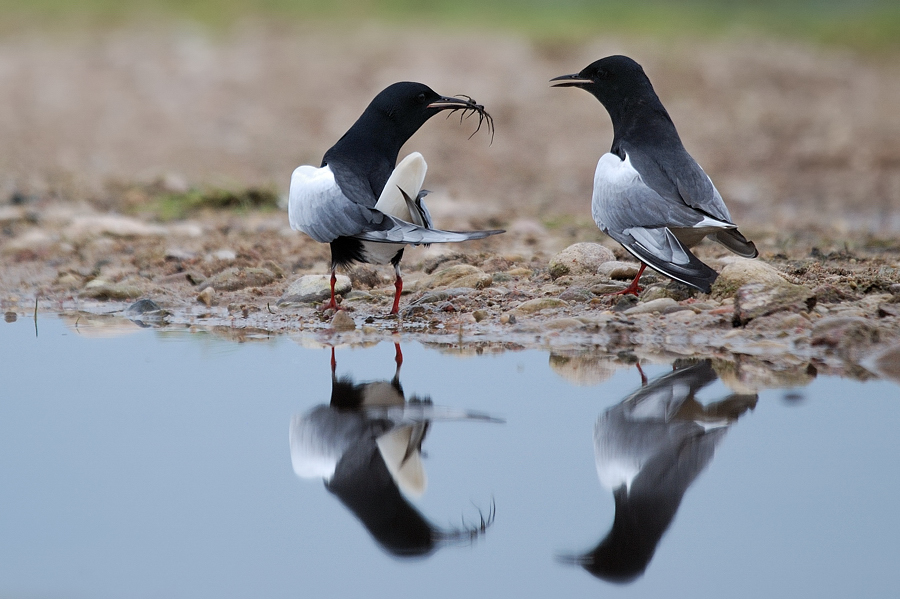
{"x": 169, "y": 206}
{"x": 868, "y": 24}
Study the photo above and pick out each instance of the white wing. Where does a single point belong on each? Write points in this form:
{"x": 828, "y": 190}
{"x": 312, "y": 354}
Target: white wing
{"x": 317, "y": 206}
{"x": 408, "y": 176}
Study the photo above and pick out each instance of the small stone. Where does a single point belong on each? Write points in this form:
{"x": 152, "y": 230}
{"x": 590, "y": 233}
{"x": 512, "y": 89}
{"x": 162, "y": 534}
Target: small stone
{"x": 507, "y": 318}
{"x": 607, "y": 289}
{"x": 102, "y": 289}
{"x": 538, "y": 304}
{"x": 657, "y": 305}
{"x": 888, "y": 309}
{"x": 742, "y": 272}
{"x": 225, "y": 255}
{"x": 143, "y": 306}
{"x": 69, "y": 281}
{"x": 761, "y": 299}
{"x": 624, "y": 303}
{"x": 479, "y": 315}
{"x": 887, "y": 363}
{"x": 894, "y": 289}
{"x": 520, "y": 272}
{"x": 232, "y": 279}
{"x": 458, "y": 275}
{"x": 563, "y": 323}
{"x": 342, "y": 321}
{"x": 580, "y": 259}
{"x": 575, "y": 294}
{"x": 314, "y": 288}
{"x": 829, "y": 294}
{"x": 206, "y": 296}
{"x": 615, "y": 269}
{"x": 837, "y": 331}
{"x": 10, "y": 316}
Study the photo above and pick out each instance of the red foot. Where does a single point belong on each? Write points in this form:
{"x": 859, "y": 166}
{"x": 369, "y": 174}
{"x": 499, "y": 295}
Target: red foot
{"x": 634, "y": 288}
{"x": 333, "y": 362}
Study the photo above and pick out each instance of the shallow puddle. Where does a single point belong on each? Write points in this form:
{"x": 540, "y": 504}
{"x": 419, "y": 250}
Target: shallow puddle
{"x": 179, "y": 464}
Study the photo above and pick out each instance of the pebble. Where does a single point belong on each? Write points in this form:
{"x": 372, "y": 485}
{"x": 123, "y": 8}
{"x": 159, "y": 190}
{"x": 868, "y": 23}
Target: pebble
{"x": 342, "y": 321}
{"x": 607, "y": 288}
{"x": 232, "y": 279}
{"x": 111, "y": 224}
{"x": 538, "y": 304}
{"x": 102, "y": 289}
{"x": 580, "y": 259}
{"x": 479, "y": 315}
{"x": 657, "y": 305}
{"x": 563, "y": 323}
{"x": 760, "y": 299}
{"x": 744, "y": 271}
{"x": 458, "y": 275}
{"x": 314, "y": 288}
{"x": 575, "y": 294}
{"x": 844, "y": 331}
{"x": 615, "y": 269}
{"x": 207, "y": 296}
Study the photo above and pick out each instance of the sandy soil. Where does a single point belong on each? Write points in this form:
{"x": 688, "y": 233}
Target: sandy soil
{"x": 803, "y": 143}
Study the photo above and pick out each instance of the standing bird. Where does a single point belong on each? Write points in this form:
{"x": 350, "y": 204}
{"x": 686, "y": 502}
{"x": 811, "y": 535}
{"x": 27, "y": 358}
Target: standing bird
{"x": 650, "y": 195}
{"x": 362, "y": 205}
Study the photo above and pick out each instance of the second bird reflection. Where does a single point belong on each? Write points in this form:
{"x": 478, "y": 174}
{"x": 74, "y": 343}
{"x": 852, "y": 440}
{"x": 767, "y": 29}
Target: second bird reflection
{"x": 649, "y": 449}
{"x": 367, "y": 446}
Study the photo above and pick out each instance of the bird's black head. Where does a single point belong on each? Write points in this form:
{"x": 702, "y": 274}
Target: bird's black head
{"x": 407, "y": 105}
{"x": 614, "y": 80}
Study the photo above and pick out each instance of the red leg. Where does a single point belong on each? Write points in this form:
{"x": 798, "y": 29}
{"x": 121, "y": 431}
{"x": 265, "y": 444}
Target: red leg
{"x": 332, "y": 305}
{"x": 333, "y": 362}
{"x": 634, "y": 288}
{"x": 398, "y": 285}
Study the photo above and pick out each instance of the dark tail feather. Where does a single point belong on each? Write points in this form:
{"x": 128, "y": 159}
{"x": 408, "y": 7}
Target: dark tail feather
{"x": 694, "y": 274}
{"x": 737, "y": 243}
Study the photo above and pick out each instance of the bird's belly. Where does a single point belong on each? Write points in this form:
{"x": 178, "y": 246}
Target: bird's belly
{"x": 380, "y": 253}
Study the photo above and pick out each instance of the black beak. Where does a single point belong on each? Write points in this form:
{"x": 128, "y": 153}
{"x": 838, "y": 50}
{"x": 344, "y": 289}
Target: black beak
{"x": 574, "y": 80}
{"x": 464, "y": 103}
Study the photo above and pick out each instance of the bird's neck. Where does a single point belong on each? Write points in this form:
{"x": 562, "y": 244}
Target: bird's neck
{"x": 642, "y": 120}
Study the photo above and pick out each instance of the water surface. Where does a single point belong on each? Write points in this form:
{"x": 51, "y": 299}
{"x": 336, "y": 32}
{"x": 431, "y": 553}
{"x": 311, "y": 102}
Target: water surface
{"x": 160, "y": 464}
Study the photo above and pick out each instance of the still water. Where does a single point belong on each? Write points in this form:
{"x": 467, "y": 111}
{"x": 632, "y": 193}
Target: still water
{"x": 176, "y": 464}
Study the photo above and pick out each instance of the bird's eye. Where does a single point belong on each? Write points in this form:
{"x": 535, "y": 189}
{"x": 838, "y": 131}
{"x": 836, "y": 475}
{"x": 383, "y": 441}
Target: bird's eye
{"x": 602, "y": 74}
{"x": 421, "y": 97}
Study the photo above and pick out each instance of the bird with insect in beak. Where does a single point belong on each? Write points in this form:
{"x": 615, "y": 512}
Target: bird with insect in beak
{"x": 358, "y": 201}
{"x": 650, "y": 195}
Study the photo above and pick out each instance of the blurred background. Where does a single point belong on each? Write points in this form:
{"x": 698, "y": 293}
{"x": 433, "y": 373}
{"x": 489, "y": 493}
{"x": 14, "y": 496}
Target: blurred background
{"x": 791, "y": 107}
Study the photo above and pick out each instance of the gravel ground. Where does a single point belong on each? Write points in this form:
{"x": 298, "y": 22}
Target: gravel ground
{"x": 803, "y": 143}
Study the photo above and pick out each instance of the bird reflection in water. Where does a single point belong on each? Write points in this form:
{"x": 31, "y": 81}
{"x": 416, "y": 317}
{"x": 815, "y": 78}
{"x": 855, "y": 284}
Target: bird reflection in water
{"x": 649, "y": 449}
{"x": 367, "y": 446}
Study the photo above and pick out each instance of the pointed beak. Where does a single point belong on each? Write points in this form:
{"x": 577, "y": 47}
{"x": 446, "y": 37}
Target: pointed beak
{"x": 574, "y": 80}
{"x": 445, "y": 102}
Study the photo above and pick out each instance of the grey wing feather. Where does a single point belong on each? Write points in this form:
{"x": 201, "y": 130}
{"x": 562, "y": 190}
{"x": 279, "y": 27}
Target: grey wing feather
{"x": 622, "y": 200}
{"x": 394, "y": 230}
{"x": 676, "y": 176}
{"x": 319, "y": 208}
{"x": 661, "y": 250}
